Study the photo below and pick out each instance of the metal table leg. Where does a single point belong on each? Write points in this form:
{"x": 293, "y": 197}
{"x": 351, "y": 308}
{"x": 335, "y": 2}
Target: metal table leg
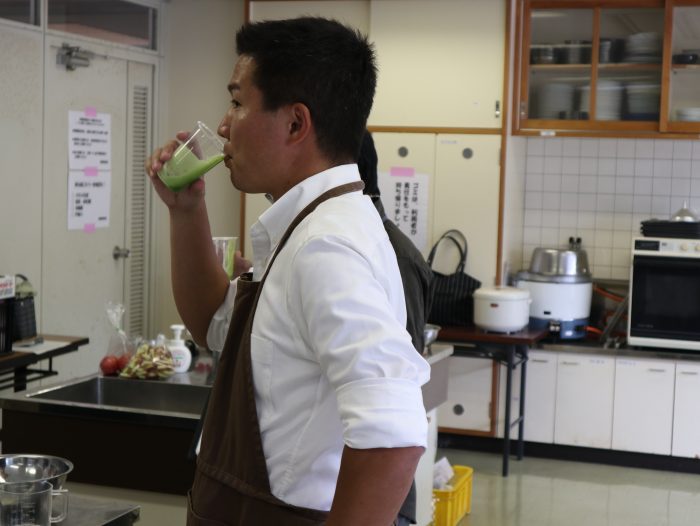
{"x": 507, "y": 424}
{"x": 521, "y": 423}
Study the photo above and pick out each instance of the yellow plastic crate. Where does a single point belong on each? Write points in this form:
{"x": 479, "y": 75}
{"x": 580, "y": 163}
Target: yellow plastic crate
{"x": 453, "y": 504}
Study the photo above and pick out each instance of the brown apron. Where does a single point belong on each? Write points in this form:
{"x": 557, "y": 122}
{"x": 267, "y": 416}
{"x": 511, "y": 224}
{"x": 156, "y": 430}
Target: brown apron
{"x": 231, "y": 485}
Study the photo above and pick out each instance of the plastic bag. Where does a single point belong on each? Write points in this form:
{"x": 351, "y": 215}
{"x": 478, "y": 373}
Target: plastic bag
{"x": 152, "y": 361}
{"x": 442, "y": 474}
{"x": 119, "y": 350}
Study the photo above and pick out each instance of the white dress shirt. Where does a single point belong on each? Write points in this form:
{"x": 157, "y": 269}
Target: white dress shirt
{"x": 332, "y": 362}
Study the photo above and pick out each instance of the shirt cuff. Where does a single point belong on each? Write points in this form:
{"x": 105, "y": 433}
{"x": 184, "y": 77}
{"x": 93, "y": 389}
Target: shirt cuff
{"x": 383, "y": 413}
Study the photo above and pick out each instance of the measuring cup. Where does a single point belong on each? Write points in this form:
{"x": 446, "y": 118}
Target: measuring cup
{"x": 193, "y": 158}
{"x": 225, "y": 249}
{"x": 30, "y": 503}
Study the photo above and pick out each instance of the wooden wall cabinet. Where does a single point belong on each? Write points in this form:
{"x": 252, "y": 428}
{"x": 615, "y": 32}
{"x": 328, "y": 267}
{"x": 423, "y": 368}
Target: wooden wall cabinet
{"x": 440, "y": 62}
{"x": 608, "y": 66}
{"x": 464, "y": 191}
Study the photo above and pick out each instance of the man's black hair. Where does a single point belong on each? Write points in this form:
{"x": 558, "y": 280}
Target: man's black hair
{"x": 367, "y": 164}
{"x": 321, "y": 63}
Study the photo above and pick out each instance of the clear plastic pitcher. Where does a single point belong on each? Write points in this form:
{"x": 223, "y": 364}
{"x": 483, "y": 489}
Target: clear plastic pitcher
{"x": 31, "y": 503}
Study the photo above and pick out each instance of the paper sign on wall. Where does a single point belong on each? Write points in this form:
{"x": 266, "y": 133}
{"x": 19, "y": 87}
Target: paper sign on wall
{"x": 88, "y": 200}
{"x": 405, "y": 194}
{"x": 89, "y": 140}
{"x": 89, "y": 169}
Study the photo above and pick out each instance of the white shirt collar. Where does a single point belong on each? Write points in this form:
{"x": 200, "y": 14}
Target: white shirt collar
{"x": 273, "y": 222}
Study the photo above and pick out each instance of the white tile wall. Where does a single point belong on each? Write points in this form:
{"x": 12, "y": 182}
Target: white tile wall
{"x": 601, "y": 189}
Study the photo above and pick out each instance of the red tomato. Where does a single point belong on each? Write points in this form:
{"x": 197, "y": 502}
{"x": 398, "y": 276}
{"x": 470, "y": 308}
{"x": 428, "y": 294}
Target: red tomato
{"x": 123, "y": 360}
{"x": 109, "y": 365}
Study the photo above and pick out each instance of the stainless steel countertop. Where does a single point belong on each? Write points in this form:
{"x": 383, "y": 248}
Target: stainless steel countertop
{"x": 438, "y": 352}
{"x": 89, "y": 511}
{"x": 626, "y": 352}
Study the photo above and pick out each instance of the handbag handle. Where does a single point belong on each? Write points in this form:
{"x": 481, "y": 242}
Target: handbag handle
{"x": 462, "y": 249}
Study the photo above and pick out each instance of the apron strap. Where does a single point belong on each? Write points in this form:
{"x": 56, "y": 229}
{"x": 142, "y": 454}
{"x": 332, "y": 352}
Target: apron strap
{"x": 308, "y": 209}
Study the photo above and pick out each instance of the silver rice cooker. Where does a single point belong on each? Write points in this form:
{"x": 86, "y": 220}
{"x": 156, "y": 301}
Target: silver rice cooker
{"x": 561, "y": 287}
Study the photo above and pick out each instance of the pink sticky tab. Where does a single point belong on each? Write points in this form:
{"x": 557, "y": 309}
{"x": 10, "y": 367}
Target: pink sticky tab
{"x": 89, "y": 228}
{"x": 401, "y": 171}
{"x": 90, "y": 171}
{"x": 90, "y": 111}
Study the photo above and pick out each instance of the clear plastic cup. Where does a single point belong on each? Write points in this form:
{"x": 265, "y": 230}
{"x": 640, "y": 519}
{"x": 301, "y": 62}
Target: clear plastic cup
{"x": 225, "y": 252}
{"x": 193, "y": 158}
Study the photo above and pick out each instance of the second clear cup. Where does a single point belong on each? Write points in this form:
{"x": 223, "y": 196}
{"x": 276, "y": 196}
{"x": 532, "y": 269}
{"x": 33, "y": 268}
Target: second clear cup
{"x": 225, "y": 248}
{"x": 202, "y": 150}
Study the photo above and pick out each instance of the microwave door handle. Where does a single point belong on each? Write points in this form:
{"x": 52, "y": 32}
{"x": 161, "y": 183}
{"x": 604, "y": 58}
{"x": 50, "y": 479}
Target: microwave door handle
{"x": 614, "y": 320}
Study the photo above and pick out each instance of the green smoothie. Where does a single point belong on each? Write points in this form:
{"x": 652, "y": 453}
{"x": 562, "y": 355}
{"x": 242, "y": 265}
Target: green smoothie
{"x": 185, "y": 168}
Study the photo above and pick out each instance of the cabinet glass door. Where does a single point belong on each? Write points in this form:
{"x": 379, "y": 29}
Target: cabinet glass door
{"x": 630, "y": 53}
{"x": 683, "y": 112}
{"x": 593, "y": 65}
{"x": 559, "y": 63}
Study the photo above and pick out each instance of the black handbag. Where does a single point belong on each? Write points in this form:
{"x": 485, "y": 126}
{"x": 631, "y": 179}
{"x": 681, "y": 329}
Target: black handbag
{"x": 453, "y": 301}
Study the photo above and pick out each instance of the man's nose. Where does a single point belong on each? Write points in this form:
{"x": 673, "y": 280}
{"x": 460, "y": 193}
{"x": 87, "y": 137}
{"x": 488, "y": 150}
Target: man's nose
{"x": 224, "y": 126}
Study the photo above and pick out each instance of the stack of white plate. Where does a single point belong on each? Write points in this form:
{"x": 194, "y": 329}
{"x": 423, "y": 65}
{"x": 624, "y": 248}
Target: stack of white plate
{"x": 555, "y": 100}
{"x": 643, "y": 47}
{"x": 688, "y": 114}
{"x": 643, "y": 100}
{"x": 608, "y": 100}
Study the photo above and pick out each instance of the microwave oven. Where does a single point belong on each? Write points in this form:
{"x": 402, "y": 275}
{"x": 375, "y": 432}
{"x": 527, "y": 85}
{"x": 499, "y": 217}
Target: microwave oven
{"x": 664, "y": 301}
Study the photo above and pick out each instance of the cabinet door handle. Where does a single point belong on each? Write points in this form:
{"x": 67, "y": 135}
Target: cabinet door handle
{"x": 570, "y": 363}
{"x": 656, "y": 370}
{"x": 540, "y": 360}
{"x": 498, "y": 109}
{"x": 690, "y": 373}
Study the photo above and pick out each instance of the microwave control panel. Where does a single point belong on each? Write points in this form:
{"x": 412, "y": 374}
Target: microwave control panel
{"x": 668, "y": 246}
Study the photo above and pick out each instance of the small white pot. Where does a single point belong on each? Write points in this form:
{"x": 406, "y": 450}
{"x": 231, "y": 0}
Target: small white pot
{"x": 501, "y": 309}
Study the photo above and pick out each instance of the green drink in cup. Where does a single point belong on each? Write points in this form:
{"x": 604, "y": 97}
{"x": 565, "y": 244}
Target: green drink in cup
{"x": 193, "y": 158}
{"x": 225, "y": 248}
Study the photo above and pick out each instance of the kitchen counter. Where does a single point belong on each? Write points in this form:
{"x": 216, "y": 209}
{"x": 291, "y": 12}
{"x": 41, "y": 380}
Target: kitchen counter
{"x": 124, "y": 433}
{"x": 14, "y": 366}
{"x": 86, "y": 511}
{"x": 435, "y": 391}
{"x": 591, "y": 347}
{"x": 146, "y": 423}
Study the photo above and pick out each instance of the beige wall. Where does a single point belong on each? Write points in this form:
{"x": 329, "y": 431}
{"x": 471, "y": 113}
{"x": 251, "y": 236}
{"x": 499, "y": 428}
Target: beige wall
{"x": 198, "y": 44}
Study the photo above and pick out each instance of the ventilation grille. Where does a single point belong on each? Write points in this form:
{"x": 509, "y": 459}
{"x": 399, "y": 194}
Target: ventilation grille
{"x": 137, "y": 216}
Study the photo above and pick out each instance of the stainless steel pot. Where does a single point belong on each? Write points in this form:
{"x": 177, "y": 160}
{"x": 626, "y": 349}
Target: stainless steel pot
{"x": 560, "y": 284}
{"x": 559, "y": 265}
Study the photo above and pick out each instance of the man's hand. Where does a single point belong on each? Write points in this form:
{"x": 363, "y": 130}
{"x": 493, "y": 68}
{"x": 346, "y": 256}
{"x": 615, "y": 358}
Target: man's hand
{"x": 240, "y": 264}
{"x": 187, "y": 198}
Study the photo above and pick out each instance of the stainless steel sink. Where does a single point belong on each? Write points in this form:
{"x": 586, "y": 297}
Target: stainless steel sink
{"x": 145, "y": 429}
{"x": 135, "y": 395}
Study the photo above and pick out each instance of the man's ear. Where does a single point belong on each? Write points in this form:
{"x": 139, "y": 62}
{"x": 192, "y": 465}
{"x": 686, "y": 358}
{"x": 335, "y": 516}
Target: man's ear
{"x": 300, "y": 124}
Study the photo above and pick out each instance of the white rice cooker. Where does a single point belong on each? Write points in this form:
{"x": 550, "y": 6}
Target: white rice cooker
{"x": 561, "y": 288}
{"x": 501, "y": 309}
